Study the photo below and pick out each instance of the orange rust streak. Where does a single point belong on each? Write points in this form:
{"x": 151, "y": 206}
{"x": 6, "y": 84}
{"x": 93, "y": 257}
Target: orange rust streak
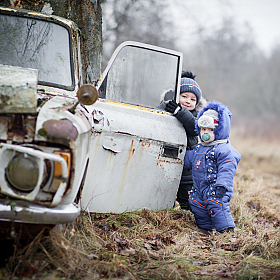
{"x": 131, "y": 151}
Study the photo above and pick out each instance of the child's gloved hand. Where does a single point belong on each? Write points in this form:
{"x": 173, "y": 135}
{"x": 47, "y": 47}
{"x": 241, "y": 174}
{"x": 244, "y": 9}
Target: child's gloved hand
{"x": 173, "y": 107}
{"x": 220, "y": 191}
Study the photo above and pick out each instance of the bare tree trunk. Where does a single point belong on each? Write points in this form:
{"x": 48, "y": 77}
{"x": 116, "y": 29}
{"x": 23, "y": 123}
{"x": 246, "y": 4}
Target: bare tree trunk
{"x": 87, "y": 14}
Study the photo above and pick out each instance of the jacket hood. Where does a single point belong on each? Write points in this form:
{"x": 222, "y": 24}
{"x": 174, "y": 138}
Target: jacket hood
{"x": 202, "y": 102}
{"x": 224, "y": 116}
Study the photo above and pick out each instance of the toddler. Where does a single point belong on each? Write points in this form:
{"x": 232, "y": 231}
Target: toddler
{"x": 214, "y": 163}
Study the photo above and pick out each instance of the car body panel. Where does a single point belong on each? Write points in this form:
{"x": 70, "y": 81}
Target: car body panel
{"x": 130, "y": 167}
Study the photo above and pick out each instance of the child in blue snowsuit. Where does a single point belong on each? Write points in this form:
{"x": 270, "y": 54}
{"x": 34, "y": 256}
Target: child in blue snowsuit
{"x": 214, "y": 163}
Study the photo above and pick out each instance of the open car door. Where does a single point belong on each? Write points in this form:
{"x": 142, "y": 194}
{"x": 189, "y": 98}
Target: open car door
{"x": 136, "y": 150}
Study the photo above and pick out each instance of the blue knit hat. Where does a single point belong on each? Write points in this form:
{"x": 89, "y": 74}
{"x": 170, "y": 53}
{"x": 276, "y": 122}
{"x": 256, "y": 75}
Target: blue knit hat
{"x": 190, "y": 85}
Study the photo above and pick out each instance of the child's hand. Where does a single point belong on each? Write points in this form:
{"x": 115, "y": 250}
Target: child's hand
{"x": 220, "y": 191}
{"x": 173, "y": 107}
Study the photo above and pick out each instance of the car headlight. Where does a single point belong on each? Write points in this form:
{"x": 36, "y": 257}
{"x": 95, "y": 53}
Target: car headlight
{"x": 22, "y": 172}
{"x": 32, "y": 174}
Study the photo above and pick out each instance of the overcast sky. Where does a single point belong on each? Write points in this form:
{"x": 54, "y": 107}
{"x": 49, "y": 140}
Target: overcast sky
{"x": 262, "y": 16}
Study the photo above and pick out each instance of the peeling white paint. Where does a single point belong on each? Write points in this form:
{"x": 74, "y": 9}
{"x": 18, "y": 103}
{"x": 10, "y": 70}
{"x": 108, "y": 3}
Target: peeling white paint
{"x": 114, "y": 144}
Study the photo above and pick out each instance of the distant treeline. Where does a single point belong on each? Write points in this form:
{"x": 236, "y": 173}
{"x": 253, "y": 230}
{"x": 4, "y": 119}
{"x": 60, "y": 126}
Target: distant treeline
{"x": 230, "y": 67}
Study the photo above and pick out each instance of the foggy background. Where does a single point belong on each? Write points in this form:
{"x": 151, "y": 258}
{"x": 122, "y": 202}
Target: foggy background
{"x": 233, "y": 47}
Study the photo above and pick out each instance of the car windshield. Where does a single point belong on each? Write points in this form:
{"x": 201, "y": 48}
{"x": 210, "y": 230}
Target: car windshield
{"x": 33, "y": 43}
{"x": 140, "y": 76}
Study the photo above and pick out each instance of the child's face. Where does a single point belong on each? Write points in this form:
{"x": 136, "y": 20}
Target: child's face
{"x": 207, "y": 134}
{"x": 187, "y": 100}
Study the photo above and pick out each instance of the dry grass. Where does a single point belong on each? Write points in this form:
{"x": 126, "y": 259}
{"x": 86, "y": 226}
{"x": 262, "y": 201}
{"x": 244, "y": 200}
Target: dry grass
{"x": 167, "y": 244}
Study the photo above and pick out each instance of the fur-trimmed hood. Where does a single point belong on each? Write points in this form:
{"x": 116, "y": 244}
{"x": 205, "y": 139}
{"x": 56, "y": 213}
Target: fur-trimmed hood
{"x": 202, "y": 102}
{"x": 224, "y": 117}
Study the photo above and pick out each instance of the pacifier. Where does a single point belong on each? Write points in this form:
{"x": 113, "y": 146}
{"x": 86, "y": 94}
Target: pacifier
{"x": 206, "y": 137}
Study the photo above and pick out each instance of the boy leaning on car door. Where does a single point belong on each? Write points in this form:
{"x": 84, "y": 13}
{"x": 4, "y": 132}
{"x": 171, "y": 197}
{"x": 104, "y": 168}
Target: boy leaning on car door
{"x": 190, "y": 103}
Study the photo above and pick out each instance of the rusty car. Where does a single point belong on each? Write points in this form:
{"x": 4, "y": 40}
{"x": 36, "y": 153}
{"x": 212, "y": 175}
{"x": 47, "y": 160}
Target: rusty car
{"x": 63, "y": 149}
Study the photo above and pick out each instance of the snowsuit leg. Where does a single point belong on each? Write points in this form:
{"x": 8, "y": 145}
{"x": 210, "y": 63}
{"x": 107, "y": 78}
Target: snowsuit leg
{"x": 219, "y": 211}
{"x": 198, "y": 206}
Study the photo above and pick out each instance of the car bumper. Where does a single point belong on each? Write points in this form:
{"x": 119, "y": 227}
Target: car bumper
{"x": 25, "y": 212}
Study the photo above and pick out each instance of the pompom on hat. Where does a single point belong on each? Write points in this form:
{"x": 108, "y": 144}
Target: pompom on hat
{"x": 188, "y": 84}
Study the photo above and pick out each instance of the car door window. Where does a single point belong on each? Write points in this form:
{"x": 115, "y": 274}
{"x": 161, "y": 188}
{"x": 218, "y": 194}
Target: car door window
{"x": 139, "y": 75}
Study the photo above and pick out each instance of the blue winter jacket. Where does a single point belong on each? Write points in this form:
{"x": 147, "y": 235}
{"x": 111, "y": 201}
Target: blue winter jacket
{"x": 213, "y": 164}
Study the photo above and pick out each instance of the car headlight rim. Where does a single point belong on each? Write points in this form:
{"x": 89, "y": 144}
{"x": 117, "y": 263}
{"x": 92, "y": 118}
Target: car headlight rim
{"x": 22, "y": 172}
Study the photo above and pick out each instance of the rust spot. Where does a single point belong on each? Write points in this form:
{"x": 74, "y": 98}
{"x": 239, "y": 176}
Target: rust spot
{"x": 146, "y": 144}
{"x": 98, "y": 117}
{"x": 132, "y": 150}
{"x": 175, "y": 161}
{"x": 18, "y": 127}
{"x": 59, "y": 131}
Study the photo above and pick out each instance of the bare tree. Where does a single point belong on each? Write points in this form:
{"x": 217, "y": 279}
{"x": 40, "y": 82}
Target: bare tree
{"x": 272, "y": 83}
{"x": 87, "y": 14}
{"x": 145, "y": 21}
{"x": 224, "y": 57}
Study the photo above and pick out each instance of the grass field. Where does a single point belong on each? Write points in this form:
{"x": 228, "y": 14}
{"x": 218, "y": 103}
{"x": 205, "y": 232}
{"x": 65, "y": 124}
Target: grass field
{"x": 167, "y": 244}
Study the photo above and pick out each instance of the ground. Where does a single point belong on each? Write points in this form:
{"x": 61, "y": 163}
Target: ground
{"x": 167, "y": 244}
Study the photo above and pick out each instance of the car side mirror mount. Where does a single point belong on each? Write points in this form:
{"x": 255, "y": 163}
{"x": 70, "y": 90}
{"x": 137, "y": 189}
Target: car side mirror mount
{"x": 87, "y": 95}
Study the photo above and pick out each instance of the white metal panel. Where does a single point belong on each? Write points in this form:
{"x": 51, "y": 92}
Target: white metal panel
{"x": 127, "y": 170}
{"x": 136, "y": 120}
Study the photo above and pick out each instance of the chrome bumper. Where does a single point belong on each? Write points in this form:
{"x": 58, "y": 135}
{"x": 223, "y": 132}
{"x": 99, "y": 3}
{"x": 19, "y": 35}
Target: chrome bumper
{"x": 25, "y": 212}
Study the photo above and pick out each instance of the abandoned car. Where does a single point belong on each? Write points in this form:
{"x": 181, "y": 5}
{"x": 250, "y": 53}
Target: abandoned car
{"x": 63, "y": 149}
